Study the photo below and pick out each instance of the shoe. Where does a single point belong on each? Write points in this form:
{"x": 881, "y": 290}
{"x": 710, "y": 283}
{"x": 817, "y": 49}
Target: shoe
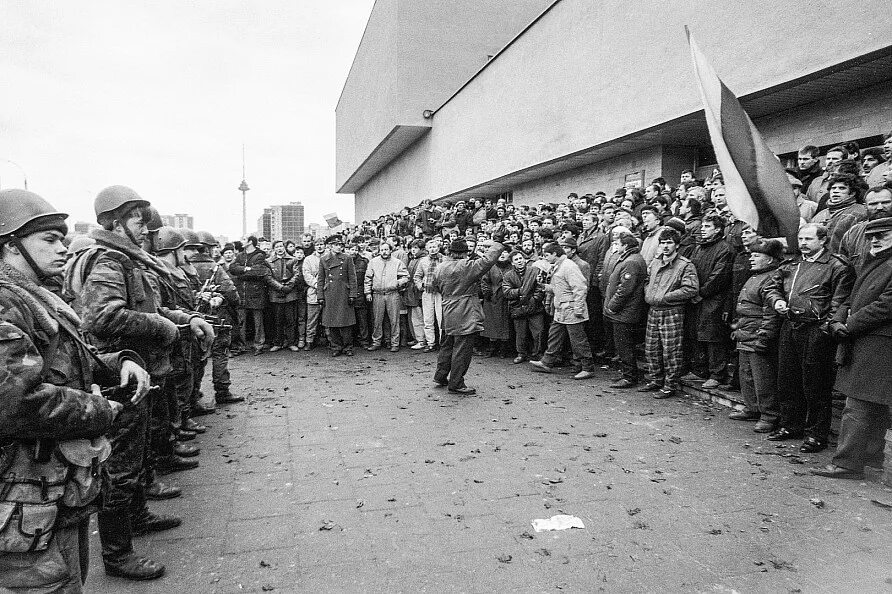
{"x": 584, "y": 375}
{"x": 743, "y": 415}
{"x": 710, "y": 384}
{"x": 650, "y": 387}
{"x": 466, "y": 391}
{"x": 275, "y": 349}
{"x": 784, "y": 434}
{"x": 117, "y": 548}
{"x": 349, "y": 351}
{"x": 293, "y": 348}
{"x": 191, "y": 425}
{"x": 199, "y": 410}
{"x": 418, "y": 346}
{"x": 336, "y": 352}
{"x": 373, "y": 347}
{"x": 152, "y": 522}
{"x": 228, "y": 398}
{"x": 518, "y": 359}
{"x": 691, "y": 377}
{"x": 411, "y": 343}
{"x": 183, "y": 435}
{"x": 308, "y": 347}
{"x": 301, "y": 344}
{"x": 834, "y": 471}
{"x": 428, "y": 349}
{"x": 257, "y": 350}
{"x": 394, "y": 349}
{"x": 623, "y": 383}
{"x": 812, "y": 445}
{"x": 185, "y": 450}
{"x": 541, "y": 367}
{"x": 764, "y": 427}
{"x": 664, "y": 393}
{"x": 439, "y": 384}
{"x": 169, "y": 464}
{"x": 158, "y": 491}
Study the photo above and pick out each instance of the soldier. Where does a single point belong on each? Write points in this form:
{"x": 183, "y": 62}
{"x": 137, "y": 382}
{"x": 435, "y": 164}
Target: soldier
{"x": 50, "y": 389}
{"x": 458, "y": 280}
{"x": 337, "y": 292}
{"x": 219, "y": 297}
{"x": 119, "y": 309}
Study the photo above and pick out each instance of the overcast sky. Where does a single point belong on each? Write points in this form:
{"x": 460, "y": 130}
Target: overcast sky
{"x": 161, "y": 95}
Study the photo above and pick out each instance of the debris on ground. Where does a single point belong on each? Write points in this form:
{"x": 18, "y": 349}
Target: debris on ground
{"x": 559, "y": 522}
{"x": 817, "y": 502}
{"x": 882, "y": 504}
{"x": 504, "y": 558}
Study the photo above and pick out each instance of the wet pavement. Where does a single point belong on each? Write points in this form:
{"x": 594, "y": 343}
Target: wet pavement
{"x": 356, "y": 475}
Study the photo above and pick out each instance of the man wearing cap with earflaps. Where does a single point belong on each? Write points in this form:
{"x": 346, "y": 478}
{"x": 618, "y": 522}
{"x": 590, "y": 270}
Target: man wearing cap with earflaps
{"x": 50, "y": 403}
{"x": 863, "y": 327}
{"x": 457, "y": 279}
{"x": 121, "y": 309}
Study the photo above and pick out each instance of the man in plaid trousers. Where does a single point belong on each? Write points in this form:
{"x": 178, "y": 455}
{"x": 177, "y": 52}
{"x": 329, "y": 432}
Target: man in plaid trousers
{"x": 672, "y": 283}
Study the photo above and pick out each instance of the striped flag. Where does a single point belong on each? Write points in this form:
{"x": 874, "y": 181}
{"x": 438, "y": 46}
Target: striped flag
{"x": 756, "y": 185}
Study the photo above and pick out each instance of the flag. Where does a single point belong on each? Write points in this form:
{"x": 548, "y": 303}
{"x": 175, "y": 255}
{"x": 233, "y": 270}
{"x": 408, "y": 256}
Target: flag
{"x": 756, "y": 185}
{"x": 332, "y": 220}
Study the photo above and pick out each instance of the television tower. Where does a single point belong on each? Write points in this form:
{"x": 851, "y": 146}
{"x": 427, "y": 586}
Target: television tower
{"x": 243, "y": 188}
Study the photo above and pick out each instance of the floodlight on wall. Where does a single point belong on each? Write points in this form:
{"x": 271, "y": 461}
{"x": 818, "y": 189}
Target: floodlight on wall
{"x": 427, "y": 114}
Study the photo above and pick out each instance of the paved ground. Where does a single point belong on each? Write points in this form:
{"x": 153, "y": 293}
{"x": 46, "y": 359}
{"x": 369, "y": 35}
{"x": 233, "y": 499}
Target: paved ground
{"x": 354, "y": 474}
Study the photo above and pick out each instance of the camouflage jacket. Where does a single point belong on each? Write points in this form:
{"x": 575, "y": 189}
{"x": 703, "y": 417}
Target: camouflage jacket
{"x": 121, "y": 309}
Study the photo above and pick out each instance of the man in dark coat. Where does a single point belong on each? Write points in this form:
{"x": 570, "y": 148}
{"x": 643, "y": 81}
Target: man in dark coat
{"x": 457, "y": 280}
{"x": 338, "y": 293}
{"x": 525, "y": 296}
{"x": 707, "y": 326}
{"x": 250, "y": 269}
{"x": 625, "y": 308}
{"x": 360, "y": 310}
{"x": 864, "y": 326}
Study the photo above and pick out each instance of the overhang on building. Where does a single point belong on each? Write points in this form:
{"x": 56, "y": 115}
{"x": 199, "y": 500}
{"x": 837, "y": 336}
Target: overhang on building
{"x": 596, "y": 95}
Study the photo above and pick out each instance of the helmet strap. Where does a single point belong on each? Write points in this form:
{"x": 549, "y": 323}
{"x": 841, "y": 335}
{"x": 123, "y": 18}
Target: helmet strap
{"x": 127, "y": 231}
{"x": 41, "y": 275}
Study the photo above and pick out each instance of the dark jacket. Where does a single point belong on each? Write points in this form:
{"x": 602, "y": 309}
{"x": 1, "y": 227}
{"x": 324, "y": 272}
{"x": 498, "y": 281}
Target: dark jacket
{"x": 282, "y": 282}
{"x": 360, "y": 265}
{"x": 337, "y": 285}
{"x": 624, "y": 298}
{"x": 593, "y": 245}
{"x": 867, "y": 315}
{"x": 756, "y": 324}
{"x": 251, "y": 271}
{"x": 671, "y": 284}
{"x": 814, "y": 291}
{"x": 497, "y": 321}
{"x": 411, "y": 296}
{"x": 524, "y": 294}
{"x": 714, "y": 264}
{"x": 458, "y": 280}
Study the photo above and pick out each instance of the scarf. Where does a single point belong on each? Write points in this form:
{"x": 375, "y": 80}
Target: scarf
{"x": 835, "y": 205}
{"x": 38, "y": 300}
{"x": 431, "y": 267}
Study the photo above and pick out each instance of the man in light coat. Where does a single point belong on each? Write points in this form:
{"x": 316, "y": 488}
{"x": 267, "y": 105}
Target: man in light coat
{"x": 384, "y": 278}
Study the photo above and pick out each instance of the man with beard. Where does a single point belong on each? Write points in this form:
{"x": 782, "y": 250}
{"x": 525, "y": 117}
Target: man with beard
{"x": 384, "y": 278}
{"x": 855, "y": 245}
{"x": 863, "y": 325}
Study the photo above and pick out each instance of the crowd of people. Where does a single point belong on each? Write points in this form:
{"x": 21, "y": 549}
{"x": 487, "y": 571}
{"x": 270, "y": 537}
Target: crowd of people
{"x": 104, "y": 340}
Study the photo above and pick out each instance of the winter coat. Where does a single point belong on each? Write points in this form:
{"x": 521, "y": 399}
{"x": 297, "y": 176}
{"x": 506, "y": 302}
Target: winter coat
{"x": 311, "y": 277}
{"x": 671, "y": 284}
{"x": 497, "y": 321}
{"x": 650, "y": 244}
{"x": 713, "y": 262}
{"x": 458, "y": 280}
{"x": 422, "y": 278}
{"x": 838, "y": 219}
{"x": 337, "y": 280}
{"x": 385, "y": 276}
{"x": 360, "y": 265}
{"x": 814, "y": 291}
{"x": 281, "y": 281}
{"x": 524, "y": 294}
{"x": 569, "y": 289}
{"x": 624, "y": 298}
{"x": 867, "y": 315}
{"x": 593, "y": 245}
{"x": 411, "y": 295}
{"x": 215, "y": 275}
{"x": 756, "y": 324}
{"x": 252, "y": 270}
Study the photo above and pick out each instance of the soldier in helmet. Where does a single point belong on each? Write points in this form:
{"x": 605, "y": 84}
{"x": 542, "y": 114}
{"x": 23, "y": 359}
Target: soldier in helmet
{"x": 50, "y": 402}
{"x": 120, "y": 308}
{"x": 218, "y": 297}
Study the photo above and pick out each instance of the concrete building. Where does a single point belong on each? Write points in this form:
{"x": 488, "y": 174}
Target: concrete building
{"x": 179, "y": 221}
{"x": 264, "y": 224}
{"x": 596, "y": 95}
{"x": 84, "y": 228}
{"x": 286, "y": 221}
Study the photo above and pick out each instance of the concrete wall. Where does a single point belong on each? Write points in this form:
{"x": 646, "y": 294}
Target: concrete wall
{"x": 413, "y": 56}
{"x": 574, "y": 81}
{"x": 397, "y": 186}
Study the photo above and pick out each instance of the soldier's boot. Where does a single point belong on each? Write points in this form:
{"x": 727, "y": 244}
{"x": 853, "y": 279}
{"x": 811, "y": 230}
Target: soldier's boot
{"x": 174, "y": 463}
{"x": 117, "y": 549}
{"x": 143, "y": 521}
{"x": 226, "y": 397}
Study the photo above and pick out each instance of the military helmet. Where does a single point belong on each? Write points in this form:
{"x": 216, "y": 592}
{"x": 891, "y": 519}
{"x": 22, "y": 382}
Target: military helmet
{"x": 21, "y": 210}
{"x": 155, "y": 222}
{"x": 114, "y": 198}
{"x": 191, "y": 237}
{"x": 169, "y": 239}
{"x": 80, "y": 243}
{"x": 207, "y": 238}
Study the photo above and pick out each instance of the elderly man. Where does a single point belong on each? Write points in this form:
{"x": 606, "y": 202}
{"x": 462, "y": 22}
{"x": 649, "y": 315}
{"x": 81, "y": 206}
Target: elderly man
{"x": 384, "y": 278}
{"x": 567, "y": 288}
{"x": 457, "y": 279}
{"x": 864, "y": 327}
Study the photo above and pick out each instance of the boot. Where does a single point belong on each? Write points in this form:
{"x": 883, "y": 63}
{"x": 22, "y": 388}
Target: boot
{"x": 117, "y": 549}
{"x": 157, "y": 491}
{"x": 192, "y": 425}
{"x": 143, "y": 521}
{"x": 227, "y": 398}
{"x": 184, "y": 450}
{"x": 174, "y": 463}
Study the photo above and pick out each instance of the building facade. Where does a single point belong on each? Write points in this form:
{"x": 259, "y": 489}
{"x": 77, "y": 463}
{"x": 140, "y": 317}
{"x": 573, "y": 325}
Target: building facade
{"x": 264, "y": 224}
{"x": 179, "y": 221}
{"x": 597, "y": 95}
{"x": 286, "y": 221}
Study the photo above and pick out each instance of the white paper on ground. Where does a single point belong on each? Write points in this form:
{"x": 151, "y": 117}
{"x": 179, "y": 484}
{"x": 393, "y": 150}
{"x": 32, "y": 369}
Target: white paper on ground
{"x": 561, "y": 522}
